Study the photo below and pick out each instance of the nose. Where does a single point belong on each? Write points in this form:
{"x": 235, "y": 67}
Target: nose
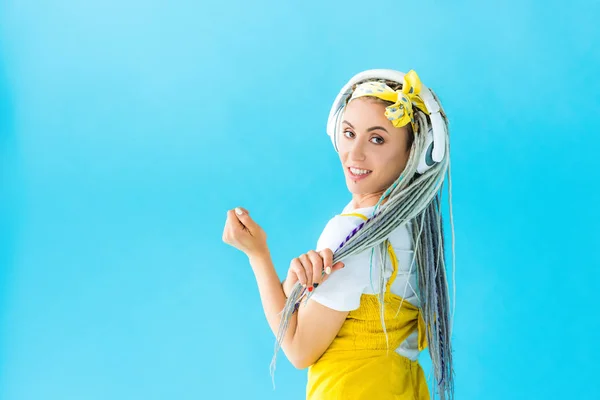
{"x": 356, "y": 150}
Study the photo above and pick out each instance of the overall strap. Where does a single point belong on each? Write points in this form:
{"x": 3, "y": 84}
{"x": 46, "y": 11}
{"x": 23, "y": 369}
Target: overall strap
{"x": 394, "y": 260}
{"x": 359, "y": 215}
{"x": 421, "y": 325}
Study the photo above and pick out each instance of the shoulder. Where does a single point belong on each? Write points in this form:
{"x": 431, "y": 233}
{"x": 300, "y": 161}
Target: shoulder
{"x": 336, "y": 230}
{"x": 342, "y": 290}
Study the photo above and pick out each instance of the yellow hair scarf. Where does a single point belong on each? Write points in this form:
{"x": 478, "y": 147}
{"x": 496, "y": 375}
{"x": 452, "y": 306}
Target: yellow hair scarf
{"x": 401, "y": 112}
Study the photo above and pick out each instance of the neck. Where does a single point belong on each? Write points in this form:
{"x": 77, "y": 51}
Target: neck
{"x": 367, "y": 200}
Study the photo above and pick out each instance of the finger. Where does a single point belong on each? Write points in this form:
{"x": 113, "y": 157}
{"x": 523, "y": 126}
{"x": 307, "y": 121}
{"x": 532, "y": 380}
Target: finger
{"x": 233, "y": 220}
{"x": 336, "y": 267}
{"x": 327, "y": 255}
{"x": 230, "y": 217}
{"x": 317, "y": 266}
{"x": 245, "y": 219}
{"x": 307, "y": 264}
{"x": 234, "y": 225}
{"x": 298, "y": 269}
{"x": 244, "y": 210}
{"x": 227, "y": 228}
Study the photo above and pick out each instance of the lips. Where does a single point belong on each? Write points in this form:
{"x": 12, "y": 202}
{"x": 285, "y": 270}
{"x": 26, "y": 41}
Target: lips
{"x": 355, "y": 177}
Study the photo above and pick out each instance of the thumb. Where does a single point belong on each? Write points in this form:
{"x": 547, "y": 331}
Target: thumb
{"x": 244, "y": 217}
{"x": 336, "y": 267}
{"x": 243, "y": 209}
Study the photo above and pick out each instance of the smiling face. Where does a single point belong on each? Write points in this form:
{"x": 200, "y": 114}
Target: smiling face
{"x": 373, "y": 152}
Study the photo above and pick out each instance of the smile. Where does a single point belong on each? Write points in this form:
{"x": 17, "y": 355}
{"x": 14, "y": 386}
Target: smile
{"x": 358, "y": 173}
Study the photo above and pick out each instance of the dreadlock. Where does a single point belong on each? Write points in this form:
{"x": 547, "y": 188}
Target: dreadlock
{"x": 416, "y": 198}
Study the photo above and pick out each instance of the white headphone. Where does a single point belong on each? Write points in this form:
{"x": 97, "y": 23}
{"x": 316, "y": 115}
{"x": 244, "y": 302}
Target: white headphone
{"x": 436, "y": 136}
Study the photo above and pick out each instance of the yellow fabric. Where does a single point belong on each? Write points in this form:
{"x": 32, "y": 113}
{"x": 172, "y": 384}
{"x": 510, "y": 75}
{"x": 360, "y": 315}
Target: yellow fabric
{"x": 359, "y": 364}
{"x": 401, "y": 113}
{"x": 355, "y": 215}
{"x": 392, "y": 254}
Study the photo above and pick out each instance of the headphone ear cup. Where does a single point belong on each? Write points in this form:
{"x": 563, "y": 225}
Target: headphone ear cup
{"x": 426, "y": 159}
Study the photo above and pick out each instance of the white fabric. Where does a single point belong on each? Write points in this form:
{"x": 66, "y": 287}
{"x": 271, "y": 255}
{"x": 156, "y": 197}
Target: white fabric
{"x": 343, "y": 289}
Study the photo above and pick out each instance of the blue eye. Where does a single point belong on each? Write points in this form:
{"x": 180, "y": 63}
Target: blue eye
{"x": 378, "y": 138}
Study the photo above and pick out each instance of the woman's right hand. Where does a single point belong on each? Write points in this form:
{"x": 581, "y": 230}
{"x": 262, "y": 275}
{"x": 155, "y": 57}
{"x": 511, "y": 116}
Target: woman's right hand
{"x": 308, "y": 269}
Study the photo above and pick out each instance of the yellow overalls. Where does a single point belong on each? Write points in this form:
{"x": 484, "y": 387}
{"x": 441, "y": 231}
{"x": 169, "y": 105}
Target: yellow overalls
{"x": 358, "y": 366}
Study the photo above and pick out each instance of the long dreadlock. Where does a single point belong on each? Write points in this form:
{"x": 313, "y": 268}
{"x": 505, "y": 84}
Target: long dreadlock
{"x": 412, "y": 197}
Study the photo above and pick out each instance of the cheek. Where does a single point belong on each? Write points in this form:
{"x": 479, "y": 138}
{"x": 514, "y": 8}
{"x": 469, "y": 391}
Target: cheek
{"x": 386, "y": 155}
{"x": 343, "y": 155}
{"x": 342, "y": 146}
{"x": 392, "y": 162}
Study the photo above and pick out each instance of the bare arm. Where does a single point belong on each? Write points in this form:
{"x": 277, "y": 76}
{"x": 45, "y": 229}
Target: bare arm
{"x": 312, "y": 328}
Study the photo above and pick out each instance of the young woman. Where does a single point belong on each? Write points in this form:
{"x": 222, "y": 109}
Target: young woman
{"x": 374, "y": 292}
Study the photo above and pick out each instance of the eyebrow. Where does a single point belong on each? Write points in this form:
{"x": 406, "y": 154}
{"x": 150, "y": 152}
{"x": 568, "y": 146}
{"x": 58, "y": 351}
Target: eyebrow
{"x": 373, "y": 128}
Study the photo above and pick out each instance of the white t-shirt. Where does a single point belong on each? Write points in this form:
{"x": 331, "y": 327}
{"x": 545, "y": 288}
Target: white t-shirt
{"x": 343, "y": 289}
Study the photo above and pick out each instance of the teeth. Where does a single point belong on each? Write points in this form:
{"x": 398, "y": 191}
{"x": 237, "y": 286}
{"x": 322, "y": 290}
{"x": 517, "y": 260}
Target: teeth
{"x": 357, "y": 171}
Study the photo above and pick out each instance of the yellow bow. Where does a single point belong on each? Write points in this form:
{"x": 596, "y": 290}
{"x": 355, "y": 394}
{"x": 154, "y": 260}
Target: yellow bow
{"x": 401, "y": 113}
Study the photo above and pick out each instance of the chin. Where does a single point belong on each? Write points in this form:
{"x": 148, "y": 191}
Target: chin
{"x": 357, "y": 188}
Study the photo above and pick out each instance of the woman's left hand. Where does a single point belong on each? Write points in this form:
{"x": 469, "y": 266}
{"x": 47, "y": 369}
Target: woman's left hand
{"x": 244, "y": 234}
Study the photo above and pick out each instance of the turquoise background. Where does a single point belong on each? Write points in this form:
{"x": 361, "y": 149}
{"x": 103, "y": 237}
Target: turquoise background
{"x": 129, "y": 128}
